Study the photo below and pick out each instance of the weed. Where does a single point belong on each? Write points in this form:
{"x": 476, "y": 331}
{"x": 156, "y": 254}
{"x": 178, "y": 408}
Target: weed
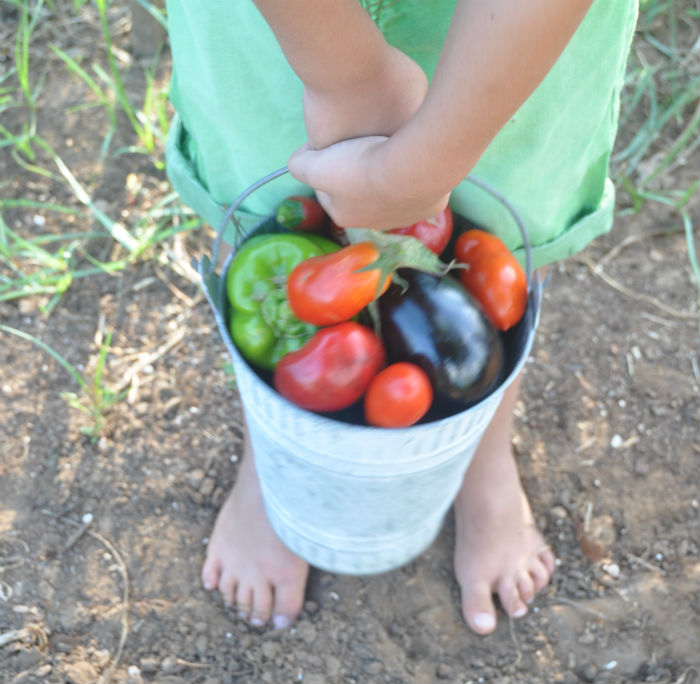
{"x": 49, "y": 265}
{"x": 95, "y": 398}
{"x": 663, "y": 90}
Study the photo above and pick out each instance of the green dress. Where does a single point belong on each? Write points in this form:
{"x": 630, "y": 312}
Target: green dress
{"x": 239, "y": 117}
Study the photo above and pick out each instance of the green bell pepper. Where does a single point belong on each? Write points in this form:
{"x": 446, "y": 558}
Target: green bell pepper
{"x": 262, "y": 324}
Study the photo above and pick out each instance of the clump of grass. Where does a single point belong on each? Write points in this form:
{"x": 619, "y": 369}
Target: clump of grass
{"x": 662, "y": 92}
{"x": 95, "y": 398}
{"x": 48, "y": 264}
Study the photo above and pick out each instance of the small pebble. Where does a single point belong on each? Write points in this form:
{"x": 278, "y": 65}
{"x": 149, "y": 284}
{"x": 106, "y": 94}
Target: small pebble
{"x": 374, "y": 668}
{"x": 270, "y": 649}
{"x": 201, "y": 644}
{"x": 589, "y": 672}
{"x": 170, "y": 665}
{"x": 149, "y": 664}
{"x": 559, "y": 512}
{"x": 443, "y": 671}
{"x": 311, "y": 607}
{"x": 613, "y": 569}
{"x": 43, "y": 670}
{"x": 207, "y": 487}
{"x": 306, "y": 632}
{"x": 195, "y": 477}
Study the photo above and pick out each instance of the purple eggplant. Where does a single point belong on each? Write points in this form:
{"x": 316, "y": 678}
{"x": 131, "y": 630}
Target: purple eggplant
{"x": 438, "y": 326}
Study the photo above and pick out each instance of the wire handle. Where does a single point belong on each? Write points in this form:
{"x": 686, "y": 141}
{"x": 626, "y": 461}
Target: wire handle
{"x": 231, "y": 216}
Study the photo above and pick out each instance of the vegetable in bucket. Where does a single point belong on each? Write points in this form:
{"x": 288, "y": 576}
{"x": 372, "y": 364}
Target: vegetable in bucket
{"x": 262, "y": 324}
{"x": 325, "y": 319}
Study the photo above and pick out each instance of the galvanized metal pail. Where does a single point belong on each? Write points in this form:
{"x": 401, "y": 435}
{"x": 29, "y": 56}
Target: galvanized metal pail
{"x": 345, "y": 497}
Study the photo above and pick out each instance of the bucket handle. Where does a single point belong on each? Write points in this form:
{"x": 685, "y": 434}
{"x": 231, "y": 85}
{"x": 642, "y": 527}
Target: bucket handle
{"x": 230, "y": 215}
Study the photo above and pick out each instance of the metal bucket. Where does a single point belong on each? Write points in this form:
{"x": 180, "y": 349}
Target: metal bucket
{"x": 345, "y": 497}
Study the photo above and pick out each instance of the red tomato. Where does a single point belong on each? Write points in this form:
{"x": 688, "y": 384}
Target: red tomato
{"x": 494, "y": 278}
{"x": 299, "y": 212}
{"x": 332, "y": 370}
{"x": 338, "y": 234}
{"x": 331, "y": 288}
{"x": 398, "y": 396}
{"x": 433, "y": 233}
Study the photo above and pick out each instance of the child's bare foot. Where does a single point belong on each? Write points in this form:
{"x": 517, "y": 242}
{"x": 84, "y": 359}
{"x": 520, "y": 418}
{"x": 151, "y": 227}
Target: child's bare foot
{"x": 252, "y": 569}
{"x": 498, "y": 547}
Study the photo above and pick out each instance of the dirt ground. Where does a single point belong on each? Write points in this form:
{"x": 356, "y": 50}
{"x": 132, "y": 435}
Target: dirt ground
{"x": 607, "y": 439}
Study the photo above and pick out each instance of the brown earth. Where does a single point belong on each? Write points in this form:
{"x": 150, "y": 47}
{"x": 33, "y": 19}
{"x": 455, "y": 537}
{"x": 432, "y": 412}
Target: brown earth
{"x": 607, "y": 439}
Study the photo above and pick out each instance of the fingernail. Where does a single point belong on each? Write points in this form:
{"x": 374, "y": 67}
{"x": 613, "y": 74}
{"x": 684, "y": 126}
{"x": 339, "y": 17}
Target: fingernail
{"x": 242, "y": 614}
{"x": 484, "y": 621}
{"x": 208, "y": 585}
{"x": 520, "y": 612}
{"x": 257, "y": 621}
{"x": 281, "y": 622}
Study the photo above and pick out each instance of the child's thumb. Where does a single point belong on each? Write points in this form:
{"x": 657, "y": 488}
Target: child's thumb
{"x": 303, "y": 165}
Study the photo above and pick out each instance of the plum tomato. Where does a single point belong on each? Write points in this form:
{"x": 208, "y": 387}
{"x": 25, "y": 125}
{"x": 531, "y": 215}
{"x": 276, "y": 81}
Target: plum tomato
{"x": 332, "y": 370}
{"x": 494, "y": 278}
{"x": 332, "y": 288}
{"x": 398, "y": 396}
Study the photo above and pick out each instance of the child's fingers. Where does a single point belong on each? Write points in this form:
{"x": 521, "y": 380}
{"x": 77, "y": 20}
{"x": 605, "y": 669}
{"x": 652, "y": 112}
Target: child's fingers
{"x": 332, "y": 167}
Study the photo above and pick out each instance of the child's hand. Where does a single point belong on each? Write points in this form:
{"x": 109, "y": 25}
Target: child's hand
{"x": 362, "y": 115}
{"x": 376, "y": 105}
{"x": 352, "y": 184}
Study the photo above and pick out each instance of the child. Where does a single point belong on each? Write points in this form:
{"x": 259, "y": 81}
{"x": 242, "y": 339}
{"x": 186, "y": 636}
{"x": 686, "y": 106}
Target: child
{"x": 525, "y": 94}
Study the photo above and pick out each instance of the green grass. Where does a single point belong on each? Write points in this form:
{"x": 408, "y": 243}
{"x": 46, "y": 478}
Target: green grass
{"x": 662, "y": 94}
{"x": 50, "y": 264}
{"x": 95, "y": 398}
{"x": 39, "y": 256}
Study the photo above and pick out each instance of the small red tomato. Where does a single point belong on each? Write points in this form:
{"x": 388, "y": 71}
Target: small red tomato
{"x": 338, "y": 234}
{"x": 494, "y": 278}
{"x": 332, "y": 370}
{"x": 299, "y": 212}
{"x": 434, "y": 233}
{"x": 398, "y": 396}
{"x": 331, "y": 288}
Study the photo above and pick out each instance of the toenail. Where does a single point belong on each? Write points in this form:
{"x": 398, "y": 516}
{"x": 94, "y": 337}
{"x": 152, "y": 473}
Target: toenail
{"x": 484, "y": 621}
{"x": 281, "y": 622}
{"x": 257, "y": 621}
{"x": 243, "y": 614}
{"x": 208, "y": 586}
{"x": 520, "y": 612}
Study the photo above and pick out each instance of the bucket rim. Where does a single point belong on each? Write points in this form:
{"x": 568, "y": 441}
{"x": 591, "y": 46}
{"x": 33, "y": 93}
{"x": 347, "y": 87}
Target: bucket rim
{"x": 533, "y": 306}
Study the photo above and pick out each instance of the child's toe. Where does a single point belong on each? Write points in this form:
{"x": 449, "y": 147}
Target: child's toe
{"x": 478, "y": 608}
{"x": 539, "y": 573}
{"x": 261, "y": 606}
{"x": 547, "y": 558}
{"x": 243, "y": 600}
{"x": 211, "y": 572}
{"x": 227, "y": 587}
{"x": 288, "y": 602}
{"x": 509, "y": 595}
{"x": 526, "y": 586}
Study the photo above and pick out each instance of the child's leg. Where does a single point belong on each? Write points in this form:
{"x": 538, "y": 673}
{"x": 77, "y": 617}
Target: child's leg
{"x": 498, "y": 549}
{"x": 246, "y": 561}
